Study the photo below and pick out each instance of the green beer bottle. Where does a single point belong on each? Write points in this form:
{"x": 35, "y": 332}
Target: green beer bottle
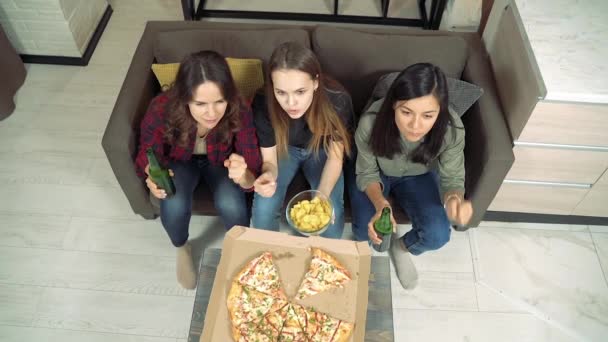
{"x": 384, "y": 228}
{"x": 158, "y": 175}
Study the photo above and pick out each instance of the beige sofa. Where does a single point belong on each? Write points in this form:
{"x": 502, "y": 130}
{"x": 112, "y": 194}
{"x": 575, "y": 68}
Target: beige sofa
{"x": 354, "y": 56}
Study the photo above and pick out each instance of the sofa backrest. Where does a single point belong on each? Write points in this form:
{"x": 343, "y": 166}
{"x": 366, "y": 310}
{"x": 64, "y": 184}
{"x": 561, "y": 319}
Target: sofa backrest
{"x": 357, "y": 58}
{"x": 172, "y": 46}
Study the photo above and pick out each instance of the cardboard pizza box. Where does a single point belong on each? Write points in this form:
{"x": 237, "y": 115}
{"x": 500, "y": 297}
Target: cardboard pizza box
{"x": 292, "y": 257}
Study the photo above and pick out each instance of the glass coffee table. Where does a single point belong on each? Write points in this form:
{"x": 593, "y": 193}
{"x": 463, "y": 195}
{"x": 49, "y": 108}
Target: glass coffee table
{"x": 379, "y": 325}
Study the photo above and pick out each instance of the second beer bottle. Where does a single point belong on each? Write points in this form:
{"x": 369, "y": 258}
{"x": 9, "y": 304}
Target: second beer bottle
{"x": 384, "y": 228}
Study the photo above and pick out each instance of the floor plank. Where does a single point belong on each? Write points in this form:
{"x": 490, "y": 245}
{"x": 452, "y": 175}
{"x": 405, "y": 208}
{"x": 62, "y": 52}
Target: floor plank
{"x": 51, "y": 199}
{"x": 21, "y": 230}
{"x": 111, "y": 312}
{"x": 20, "y": 334}
{"x": 44, "y": 168}
{"x": 437, "y": 290}
{"x": 18, "y": 304}
{"x": 435, "y": 325}
{"x": 91, "y": 271}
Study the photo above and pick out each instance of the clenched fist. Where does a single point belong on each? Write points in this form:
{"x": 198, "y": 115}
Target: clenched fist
{"x": 265, "y": 185}
{"x": 458, "y": 209}
{"x": 236, "y": 166}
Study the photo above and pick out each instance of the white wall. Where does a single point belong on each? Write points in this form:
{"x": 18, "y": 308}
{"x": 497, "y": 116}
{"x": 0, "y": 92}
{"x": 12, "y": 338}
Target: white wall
{"x": 461, "y": 15}
{"x": 51, "y": 27}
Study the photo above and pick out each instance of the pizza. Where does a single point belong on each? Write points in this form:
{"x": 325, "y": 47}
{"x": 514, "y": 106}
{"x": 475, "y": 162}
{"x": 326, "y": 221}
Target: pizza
{"x": 330, "y": 329}
{"x": 292, "y": 330}
{"x": 272, "y": 324}
{"x": 262, "y": 275}
{"x": 320, "y": 327}
{"x": 247, "y": 305}
{"x": 260, "y": 312}
{"x": 324, "y": 273}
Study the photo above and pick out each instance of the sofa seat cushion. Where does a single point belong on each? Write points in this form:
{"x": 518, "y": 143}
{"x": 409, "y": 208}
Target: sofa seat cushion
{"x": 172, "y": 46}
{"x": 357, "y": 58}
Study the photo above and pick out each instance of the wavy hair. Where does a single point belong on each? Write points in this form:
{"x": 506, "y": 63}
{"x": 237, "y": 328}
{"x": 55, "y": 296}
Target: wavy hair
{"x": 194, "y": 70}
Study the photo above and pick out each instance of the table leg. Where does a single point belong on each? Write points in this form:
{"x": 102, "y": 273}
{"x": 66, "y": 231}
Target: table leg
{"x": 423, "y": 15}
{"x": 188, "y": 9}
{"x": 198, "y": 14}
{"x": 385, "y": 4}
{"x": 438, "y": 14}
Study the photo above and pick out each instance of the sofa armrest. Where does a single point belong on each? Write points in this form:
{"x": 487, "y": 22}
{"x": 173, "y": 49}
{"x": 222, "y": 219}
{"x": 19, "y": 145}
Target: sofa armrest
{"x": 13, "y": 75}
{"x": 121, "y": 137}
{"x": 489, "y": 147}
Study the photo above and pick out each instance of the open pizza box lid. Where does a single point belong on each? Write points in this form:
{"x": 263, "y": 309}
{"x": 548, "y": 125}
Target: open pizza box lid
{"x": 292, "y": 256}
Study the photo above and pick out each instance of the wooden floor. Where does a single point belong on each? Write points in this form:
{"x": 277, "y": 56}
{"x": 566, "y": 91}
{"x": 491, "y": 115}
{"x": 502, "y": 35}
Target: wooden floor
{"x": 77, "y": 265}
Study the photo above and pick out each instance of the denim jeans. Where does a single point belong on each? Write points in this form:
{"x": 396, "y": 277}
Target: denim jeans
{"x": 228, "y": 197}
{"x": 357, "y": 198}
{"x": 420, "y": 199}
{"x": 266, "y": 211}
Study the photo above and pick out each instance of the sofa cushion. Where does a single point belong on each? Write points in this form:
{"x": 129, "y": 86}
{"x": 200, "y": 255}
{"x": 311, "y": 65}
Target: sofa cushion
{"x": 172, "y": 46}
{"x": 357, "y": 58}
{"x": 247, "y": 74}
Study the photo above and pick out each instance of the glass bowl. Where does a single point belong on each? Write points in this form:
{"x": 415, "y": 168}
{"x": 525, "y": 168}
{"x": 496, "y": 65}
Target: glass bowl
{"x": 309, "y": 195}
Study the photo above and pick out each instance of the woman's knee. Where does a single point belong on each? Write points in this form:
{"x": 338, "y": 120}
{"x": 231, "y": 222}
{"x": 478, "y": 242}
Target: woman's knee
{"x": 231, "y": 205}
{"x": 436, "y": 232}
{"x": 265, "y": 212}
{"x": 175, "y": 217}
{"x": 175, "y": 207}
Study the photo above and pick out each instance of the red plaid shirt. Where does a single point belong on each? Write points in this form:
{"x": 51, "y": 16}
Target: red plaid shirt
{"x": 244, "y": 142}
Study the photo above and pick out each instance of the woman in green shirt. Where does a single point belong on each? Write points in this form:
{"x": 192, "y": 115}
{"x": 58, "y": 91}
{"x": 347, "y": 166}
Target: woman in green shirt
{"x": 402, "y": 139}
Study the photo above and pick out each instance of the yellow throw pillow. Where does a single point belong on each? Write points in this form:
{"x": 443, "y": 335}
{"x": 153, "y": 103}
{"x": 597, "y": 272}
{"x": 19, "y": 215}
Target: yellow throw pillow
{"x": 247, "y": 75}
{"x": 165, "y": 74}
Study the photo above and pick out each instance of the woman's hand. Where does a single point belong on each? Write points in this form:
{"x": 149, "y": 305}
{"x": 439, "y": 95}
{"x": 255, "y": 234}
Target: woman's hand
{"x": 266, "y": 184}
{"x": 237, "y": 166}
{"x": 154, "y": 189}
{"x": 458, "y": 209}
{"x": 371, "y": 232}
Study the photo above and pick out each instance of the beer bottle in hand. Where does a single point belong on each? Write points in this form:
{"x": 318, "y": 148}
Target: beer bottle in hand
{"x": 384, "y": 228}
{"x": 158, "y": 175}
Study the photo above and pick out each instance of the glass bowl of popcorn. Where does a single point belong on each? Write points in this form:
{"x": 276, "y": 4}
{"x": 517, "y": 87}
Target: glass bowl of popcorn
{"x": 310, "y": 212}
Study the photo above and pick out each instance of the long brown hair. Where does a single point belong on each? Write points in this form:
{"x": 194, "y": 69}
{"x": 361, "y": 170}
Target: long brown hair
{"x": 323, "y": 121}
{"x": 194, "y": 70}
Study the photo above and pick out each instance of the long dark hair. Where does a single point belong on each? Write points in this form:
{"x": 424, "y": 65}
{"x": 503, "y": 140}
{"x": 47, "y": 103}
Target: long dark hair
{"x": 415, "y": 81}
{"x": 323, "y": 121}
{"x": 194, "y": 70}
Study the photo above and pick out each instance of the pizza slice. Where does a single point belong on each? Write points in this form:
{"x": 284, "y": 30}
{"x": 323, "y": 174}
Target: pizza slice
{"x": 320, "y": 327}
{"x": 324, "y": 273}
{"x": 250, "y": 332}
{"x": 330, "y": 329}
{"x": 309, "y": 320}
{"x": 261, "y": 274}
{"x": 292, "y": 331}
{"x": 247, "y": 307}
{"x": 272, "y": 323}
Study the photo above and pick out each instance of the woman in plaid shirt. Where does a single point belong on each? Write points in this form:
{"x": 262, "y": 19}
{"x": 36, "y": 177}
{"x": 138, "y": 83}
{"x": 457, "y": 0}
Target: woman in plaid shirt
{"x": 202, "y": 130}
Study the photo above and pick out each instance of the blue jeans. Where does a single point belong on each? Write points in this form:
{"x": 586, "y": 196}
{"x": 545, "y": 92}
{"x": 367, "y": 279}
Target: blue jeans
{"x": 420, "y": 199}
{"x": 228, "y": 198}
{"x": 266, "y": 211}
{"x": 357, "y": 198}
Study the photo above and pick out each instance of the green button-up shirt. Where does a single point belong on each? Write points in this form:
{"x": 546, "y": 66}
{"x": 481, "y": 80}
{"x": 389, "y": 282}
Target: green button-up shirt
{"x": 450, "y": 161}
